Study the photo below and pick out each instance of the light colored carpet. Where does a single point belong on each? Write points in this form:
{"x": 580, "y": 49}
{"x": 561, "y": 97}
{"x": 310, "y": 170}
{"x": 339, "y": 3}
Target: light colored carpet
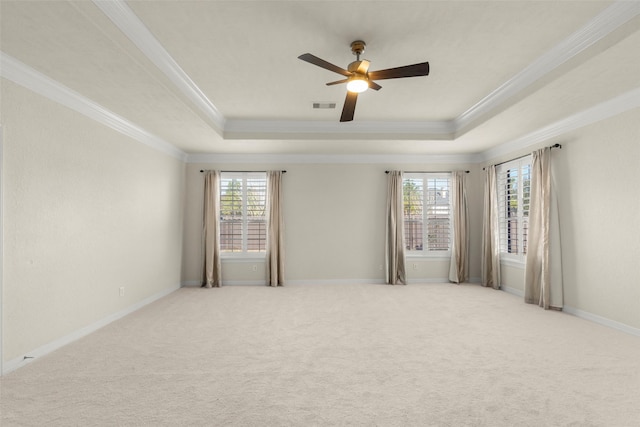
{"x": 417, "y": 355}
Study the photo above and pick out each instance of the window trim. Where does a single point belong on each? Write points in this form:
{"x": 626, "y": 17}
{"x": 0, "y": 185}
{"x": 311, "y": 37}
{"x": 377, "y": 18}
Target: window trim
{"x": 243, "y": 256}
{"x": 431, "y": 254}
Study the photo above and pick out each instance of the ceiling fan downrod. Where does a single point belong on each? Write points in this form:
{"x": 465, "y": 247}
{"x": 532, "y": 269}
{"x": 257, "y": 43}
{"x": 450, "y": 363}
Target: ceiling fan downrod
{"x": 359, "y": 78}
{"x": 357, "y": 47}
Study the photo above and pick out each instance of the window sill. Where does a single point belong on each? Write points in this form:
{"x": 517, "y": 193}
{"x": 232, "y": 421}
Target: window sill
{"x": 242, "y": 257}
{"x": 429, "y": 255}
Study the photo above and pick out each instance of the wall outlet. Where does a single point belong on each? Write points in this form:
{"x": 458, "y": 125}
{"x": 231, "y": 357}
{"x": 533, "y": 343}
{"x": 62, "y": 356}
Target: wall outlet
{"x": 254, "y": 267}
{"x": 415, "y": 266}
{"x": 121, "y": 291}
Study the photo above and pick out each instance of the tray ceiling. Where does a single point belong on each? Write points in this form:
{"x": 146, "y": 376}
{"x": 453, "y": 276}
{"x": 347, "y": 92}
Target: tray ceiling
{"x": 223, "y": 76}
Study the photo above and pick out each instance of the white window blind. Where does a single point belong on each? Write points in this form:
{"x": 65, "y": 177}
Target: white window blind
{"x": 427, "y": 212}
{"x": 243, "y": 225}
{"x": 514, "y": 190}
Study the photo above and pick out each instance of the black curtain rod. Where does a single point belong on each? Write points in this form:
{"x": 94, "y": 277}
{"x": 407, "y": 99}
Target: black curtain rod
{"x": 202, "y": 170}
{"x": 426, "y": 171}
{"x": 521, "y": 157}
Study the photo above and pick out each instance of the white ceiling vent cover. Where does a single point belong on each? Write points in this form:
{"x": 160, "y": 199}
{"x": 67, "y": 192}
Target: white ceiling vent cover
{"x": 324, "y": 105}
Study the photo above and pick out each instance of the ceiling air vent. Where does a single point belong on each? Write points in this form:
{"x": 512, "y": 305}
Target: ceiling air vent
{"x": 324, "y": 105}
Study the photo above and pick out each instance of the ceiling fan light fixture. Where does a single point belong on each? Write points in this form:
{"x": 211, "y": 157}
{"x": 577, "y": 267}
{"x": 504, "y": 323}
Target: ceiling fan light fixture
{"x": 359, "y": 78}
{"x": 357, "y": 84}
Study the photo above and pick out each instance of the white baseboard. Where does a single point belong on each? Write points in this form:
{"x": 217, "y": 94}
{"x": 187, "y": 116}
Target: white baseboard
{"x": 472, "y": 280}
{"x": 197, "y": 283}
{"x": 512, "y": 291}
{"x": 427, "y": 280}
{"x": 584, "y": 315}
{"x": 336, "y": 282}
{"x": 24, "y": 360}
{"x": 421, "y": 281}
{"x": 244, "y": 283}
{"x": 601, "y": 320}
{"x": 191, "y": 284}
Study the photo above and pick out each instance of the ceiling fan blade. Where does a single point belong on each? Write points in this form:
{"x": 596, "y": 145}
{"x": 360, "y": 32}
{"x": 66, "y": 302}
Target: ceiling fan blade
{"x": 337, "y": 82}
{"x": 312, "y": 59}
{"x": 415, "y": 70}
{"x": 363, "y": 67}
{"x": 349, "y": 107}
{"x": 374, "y": 85}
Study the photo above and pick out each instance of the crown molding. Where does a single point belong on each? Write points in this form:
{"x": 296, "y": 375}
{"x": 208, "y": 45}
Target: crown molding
{"x": 127, "y": 21}
{"x": 239, "y": 129}
{"x": 603, "y": 24}
{"x": 602, "y": 111}
{"x": 595, "y": 30}
{"x": 599, "y": 27}
{"x": 613, "y": 107}
{"x": 25, "y": 76}
{"x": 382, "y": 159}
{"x": 21, "y": 74}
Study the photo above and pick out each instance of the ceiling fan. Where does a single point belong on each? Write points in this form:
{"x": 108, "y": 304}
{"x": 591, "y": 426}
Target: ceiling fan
{"x": 359, "y": 78}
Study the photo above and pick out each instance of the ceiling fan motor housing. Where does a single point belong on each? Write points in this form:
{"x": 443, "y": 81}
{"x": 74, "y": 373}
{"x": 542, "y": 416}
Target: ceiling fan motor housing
{"x": 358, "y": 77}
{"x": 353, "y": 67}
{"x": 357, "y": 47}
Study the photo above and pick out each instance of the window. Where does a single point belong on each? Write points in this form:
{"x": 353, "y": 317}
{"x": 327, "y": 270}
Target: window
{"x": 427, "y": 212}
{"x": 243, "y": 225}
{"x": 514, "y": 183}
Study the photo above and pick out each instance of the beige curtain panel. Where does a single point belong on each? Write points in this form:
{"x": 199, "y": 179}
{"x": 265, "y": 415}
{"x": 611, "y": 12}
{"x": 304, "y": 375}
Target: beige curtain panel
{"x": 459, "y": 266}
{"x": 394, "y": 248}
{"x": 212, "y": 274}
{"x": 538, "y": 286}
{"x": 490, "y": 253}
{"x": 275, "y": 230}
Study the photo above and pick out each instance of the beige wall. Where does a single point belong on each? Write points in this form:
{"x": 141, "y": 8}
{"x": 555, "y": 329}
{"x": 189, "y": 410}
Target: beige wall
{"x": 598, "y": 187}
{"x": 599, "y": 204}
{"x": 86, "y": 211}
{"x": 334, "y": 221}
{"x": 599, "y": 184}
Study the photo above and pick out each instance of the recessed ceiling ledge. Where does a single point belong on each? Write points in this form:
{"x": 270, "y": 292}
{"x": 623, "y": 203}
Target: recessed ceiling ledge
{"x": 441, "y": 130}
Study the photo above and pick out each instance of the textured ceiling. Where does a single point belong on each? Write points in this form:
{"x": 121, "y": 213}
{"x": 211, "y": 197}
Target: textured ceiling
{"x": 241, "y": 58}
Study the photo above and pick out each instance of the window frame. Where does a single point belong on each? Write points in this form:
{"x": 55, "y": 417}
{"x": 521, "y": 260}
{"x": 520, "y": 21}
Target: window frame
{"x": 523, "y": 167}
{"x": 425, "y": 177}
{"x": 243, "y": 255}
